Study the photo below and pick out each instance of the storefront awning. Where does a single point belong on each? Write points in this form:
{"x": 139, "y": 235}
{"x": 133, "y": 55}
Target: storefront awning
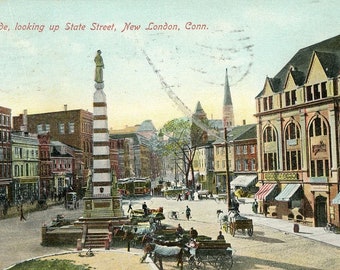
{"x": 5, "y": 182}
{"x": 266, "y": 192}
{"x": 244, "y": 180}
{"x": 336, "y": 200}
{"x": 289, "y": 192}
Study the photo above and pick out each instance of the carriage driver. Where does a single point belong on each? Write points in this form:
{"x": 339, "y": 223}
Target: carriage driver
{"x": 179, "y": 230}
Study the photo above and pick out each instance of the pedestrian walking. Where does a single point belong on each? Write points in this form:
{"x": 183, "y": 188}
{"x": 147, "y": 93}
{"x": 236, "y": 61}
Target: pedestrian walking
{"x": 179, "y": 197}
{"x": 130, "y": 206}
{"x": 255, "y": 206}
{"x": 22, "y": 217}
{"x": 265, "y": 208}
{"x": 188, "y": 212}
{"x": 145, "y": 208}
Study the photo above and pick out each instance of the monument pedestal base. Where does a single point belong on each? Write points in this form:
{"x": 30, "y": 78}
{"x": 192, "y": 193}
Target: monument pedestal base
{"x": 103, "y": 207}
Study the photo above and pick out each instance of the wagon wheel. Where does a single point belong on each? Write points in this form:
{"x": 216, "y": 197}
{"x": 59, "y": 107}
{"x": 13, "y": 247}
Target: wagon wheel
{"x": 200, "y": 264}
{"x": 224, "y": 262}
{"x": 196, "y": 263}
{"x": 250, "y": 231}
{"x": 232, "y": 229}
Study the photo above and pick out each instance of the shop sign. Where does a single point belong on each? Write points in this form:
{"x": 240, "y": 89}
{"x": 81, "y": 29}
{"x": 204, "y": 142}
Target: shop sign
{"x": 281, "y": 176}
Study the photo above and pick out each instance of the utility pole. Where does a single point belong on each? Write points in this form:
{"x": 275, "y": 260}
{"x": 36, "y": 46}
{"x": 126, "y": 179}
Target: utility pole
{"x": 228, "y": 198}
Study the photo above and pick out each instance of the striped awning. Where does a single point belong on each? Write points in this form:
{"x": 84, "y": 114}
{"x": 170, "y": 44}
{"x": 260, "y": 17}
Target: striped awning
{"x": 336, "y": 200}
{"x": 266, "y": 192}
{"x": 290, "y": 191}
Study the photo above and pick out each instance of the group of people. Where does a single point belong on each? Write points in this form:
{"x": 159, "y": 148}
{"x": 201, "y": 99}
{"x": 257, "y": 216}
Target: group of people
{"x": 179, "y": 230}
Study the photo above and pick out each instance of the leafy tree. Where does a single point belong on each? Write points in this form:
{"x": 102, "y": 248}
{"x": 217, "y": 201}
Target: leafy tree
{"x": 182, "y": 139}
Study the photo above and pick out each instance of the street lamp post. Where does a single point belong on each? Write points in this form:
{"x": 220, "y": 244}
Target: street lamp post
{"x": 228, "y": 198}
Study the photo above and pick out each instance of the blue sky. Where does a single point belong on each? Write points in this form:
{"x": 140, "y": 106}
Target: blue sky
{"x": 43, "y": 71}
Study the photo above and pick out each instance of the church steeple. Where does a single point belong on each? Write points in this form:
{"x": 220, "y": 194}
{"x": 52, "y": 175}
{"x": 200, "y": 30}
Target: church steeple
{"x": 228, "y": 111}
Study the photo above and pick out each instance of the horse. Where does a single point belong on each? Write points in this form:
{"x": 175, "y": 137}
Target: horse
{"x": 161, "y": 252}
{"x": 131, "y": 234}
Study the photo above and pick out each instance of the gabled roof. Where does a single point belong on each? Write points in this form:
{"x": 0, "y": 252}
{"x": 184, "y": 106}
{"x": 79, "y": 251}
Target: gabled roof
{"x": 298, "y": 76}
{"x": 329, "y": 62}
{"x": 242, "y": 132}
{"x": 56, "y": 153}
{"x": 328, "y": 52}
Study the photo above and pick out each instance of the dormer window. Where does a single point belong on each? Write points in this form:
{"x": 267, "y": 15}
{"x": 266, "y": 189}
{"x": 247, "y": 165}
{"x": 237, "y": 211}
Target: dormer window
{"x": 268, "y": 103}
{"x": 316, "y": 91}
{"x": 290, "y": 98}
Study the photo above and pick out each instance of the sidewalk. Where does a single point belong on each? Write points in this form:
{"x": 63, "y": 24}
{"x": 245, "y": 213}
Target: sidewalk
{"x": 315, "y": 233}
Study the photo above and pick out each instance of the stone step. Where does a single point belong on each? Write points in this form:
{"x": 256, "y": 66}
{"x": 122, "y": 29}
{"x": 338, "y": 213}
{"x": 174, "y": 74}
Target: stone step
{"x": 96, "y": 240}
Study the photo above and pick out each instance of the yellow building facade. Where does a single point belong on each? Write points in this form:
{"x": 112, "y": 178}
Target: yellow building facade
{"x": 298, "y": 121}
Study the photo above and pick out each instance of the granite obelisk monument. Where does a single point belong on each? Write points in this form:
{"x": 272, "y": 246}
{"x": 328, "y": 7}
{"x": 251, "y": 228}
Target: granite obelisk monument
{"x": 102, "y": 199}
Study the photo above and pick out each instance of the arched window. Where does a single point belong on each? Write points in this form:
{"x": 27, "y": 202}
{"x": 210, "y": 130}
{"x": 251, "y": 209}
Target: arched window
{"x": 293, "y": 154}
{"x": 269, "y": 135}
{"x": 318, "y": 128}
{"x": 270, "y": 161}
{"x": 292, "y": 131}
{"x": 319, "y": 164}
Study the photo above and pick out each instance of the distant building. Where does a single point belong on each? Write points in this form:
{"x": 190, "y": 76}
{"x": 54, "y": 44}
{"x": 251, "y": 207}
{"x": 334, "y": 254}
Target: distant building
{"x": 25, "y": 167}
{"x": 5, "y": 155}
{"x": 45, "y": 164}
{"x": 242, "y": 158}
{"x": 63, "y": 160}
{"x": 71, "y": 127}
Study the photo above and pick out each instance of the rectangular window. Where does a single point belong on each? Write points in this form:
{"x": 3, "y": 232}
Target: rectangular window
{"x": 47, "y": 127}
{"x": 245, "y": 165}
{"x": 270, "y": 103}
{"x": 238, "y": 150}
{"x": 265, "y": 105}
{"x": 319, "y": 168}
{"x": 245, "y": 149}
{"x": 39, "y": 128}
{"x": 323, "y": 90}
{"x": 288, "y": 160}
{"x": 309, "y": 94}
{"x": 294, "y": 161}
{"x": 287, "y": 97}
{"x": 253, "y": 168}
{"x": 238, "y": 165}
{"x": 70, "y": 127}
{"x": 61, "y": 128}
{"x": 316, "y": 92}
{"x": 293, "y": 97}
{"x": 252, "y": 149}
{"x": 265, "y": 162}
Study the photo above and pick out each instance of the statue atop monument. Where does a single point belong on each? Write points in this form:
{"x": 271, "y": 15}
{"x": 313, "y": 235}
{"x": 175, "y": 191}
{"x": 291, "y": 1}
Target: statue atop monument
{"x": 98, "y": 77}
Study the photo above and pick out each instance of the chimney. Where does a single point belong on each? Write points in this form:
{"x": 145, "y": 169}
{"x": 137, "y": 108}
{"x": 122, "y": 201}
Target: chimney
{"x": 244, "y": 122}
{"x": 65, "y": 107}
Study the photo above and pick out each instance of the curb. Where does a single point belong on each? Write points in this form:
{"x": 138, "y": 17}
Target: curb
{"x": 151, "y": 264}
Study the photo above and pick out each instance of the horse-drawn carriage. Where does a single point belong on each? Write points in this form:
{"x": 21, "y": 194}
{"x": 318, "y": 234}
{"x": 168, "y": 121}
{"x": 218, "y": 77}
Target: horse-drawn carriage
{"x": 216, "y": 253}
{"x": 138, "y": 215}
{"x": 234, "y": 221}
{"x": 199, "y": 254}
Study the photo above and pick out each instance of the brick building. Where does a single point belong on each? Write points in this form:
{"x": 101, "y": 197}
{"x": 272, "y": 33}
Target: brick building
{"x": 5, "y": 154}
{"x": 71, "y": 127}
